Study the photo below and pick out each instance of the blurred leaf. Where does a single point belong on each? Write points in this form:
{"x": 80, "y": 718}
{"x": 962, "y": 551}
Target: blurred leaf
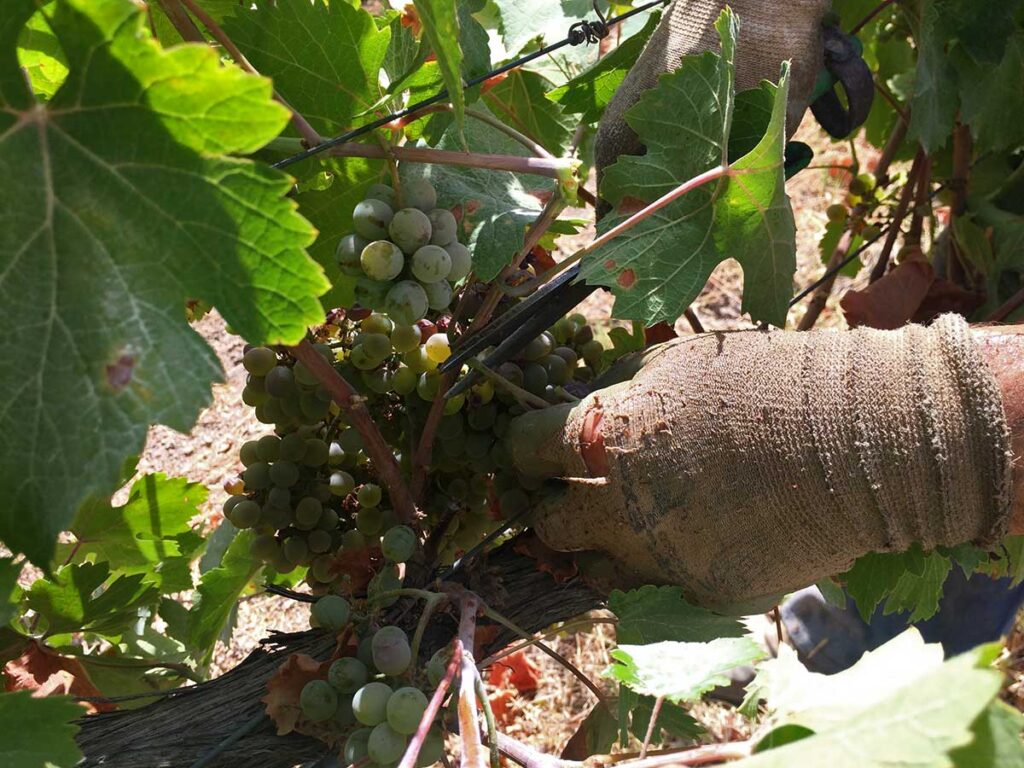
{"x": 39, "y": 732}
{"x": 219, "y": 590}
{"x": 9, "y": 572}
{"x": 46, "y": 672}
{"x": 653, "y": 614}
{"x": 595, "y": 735}
{"x": 681, "y": 672}
{"x": 993, "y": 99}
{"x": 997, "y": 740}
{"x": 548, "y": 20}
{"x": 441, "y": 29}
{"x": 673, "y": 720}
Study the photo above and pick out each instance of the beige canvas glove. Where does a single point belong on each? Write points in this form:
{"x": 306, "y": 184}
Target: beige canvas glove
{"x": 743, "y": 465}
{"x": 770, "y": 33}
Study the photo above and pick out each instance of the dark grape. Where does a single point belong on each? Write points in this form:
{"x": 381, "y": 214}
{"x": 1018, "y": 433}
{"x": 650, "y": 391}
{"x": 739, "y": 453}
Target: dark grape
{"x": 406, "y": 302}
{"x": 245, "y": 514}
{"x": 295, "y": 549}
{"x": 316, "y": 452}
{"x": 257, "y": 476}
{"x": 284, "y": 474}
{"x": 307, "y": 513}
{"x": 249, "y": 453}
{"x": 280, "y": 382}
{"x": 264, "y": 547}
{"x": 319, "y": 540}
{"x": 318, "y": 701}
{"x": 381, "y": 192}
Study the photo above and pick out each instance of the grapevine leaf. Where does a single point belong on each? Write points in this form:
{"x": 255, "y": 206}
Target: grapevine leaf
{"x": 997, "y": 741}
{"x": 672, "y": 719}
{"x": 125, "y": 208}
{"x": 660, "y": 265}
{"x": 908, "y": 581}
{"x": 520, "y": 101}
{"x": 473, "y": 40}
{"x": 993, "y": 99}
{"x": 41, "y": 56}
{"x": 654, "y": 614}
{"x": 918, "y": 724}
{"x": 73, "y": 601}
{"x": 681, "y": 672}
{"x": 145, "y": 531}
{"x": 549, "y": 20}
{"x": 441, "y": 29}
{"x": 9, "y": 572}
{"x": 589, "y": 93}
{"x": 496, "y": 206}
{"x": 39, "y": 732}
{"x": 325, "y": 58}
{"x": 751, "y": 118}
{"x": 595, "y": 735}
{"x": 218, "y": 592}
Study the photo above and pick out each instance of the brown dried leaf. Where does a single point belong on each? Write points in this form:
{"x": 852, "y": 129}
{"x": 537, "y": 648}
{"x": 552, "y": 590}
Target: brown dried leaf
{"x": 48, "y": 673}
{"x": 561, "y": 565}
{"x": 893, "y": 300}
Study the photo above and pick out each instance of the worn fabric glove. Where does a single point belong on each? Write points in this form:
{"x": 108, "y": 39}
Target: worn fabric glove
{"x": 770, "y": 33}
{"x": 743, "y": 465}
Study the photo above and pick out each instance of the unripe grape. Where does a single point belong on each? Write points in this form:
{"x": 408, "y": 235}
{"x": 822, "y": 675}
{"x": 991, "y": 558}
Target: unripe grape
{"x": 557, "y": 368}
{"x": 269, "y": 448}
{"x": 320, "y": 540}
{"x": 356, "y": 746}
{"x": 539, "y": 347}
{"x": 259, "y": 361}
{"x": 405, "y": 338}
{"x": 431, "y": 263}
{"x": 437, "y": 666}
{"x": 316, "y": 452}
{"x": 280, "y": 381}
{"x": 443, "y": 225}
{"x": 295, "y": 549}
{"x": 837, "y": 212}
{"x": 353, "y": 540}
{"x": 362, "y": 359}
{"x": 438, "y": 347}
{"x": 307, "y": 513}
{"x": 322, "y": 568}
{"x": 276, "y": 517}
{"x": 230, "y": 502}
{"x": 403, "y": 380}
{"x": 292, "y": 447}
{"x": 583, "y": 335}
{"x": 350, "y": 440}
{"x": 420, "y": 193}
{"x": 371, "y": 293}
{"x": 398, "y": 544}
{"x": 406, "y": 302}
{"x": 318, "y": 701}
{"x": 428, "y": 385}
{"x": 245, "y": 514}
{"x": 369, "y": 521}
{"x": 280, "y": 497}
{"x": 376, "y": 345}
{"x": 376, "y": 323}
{"x": 347, "y": 254}
{"x": 381, "y": 192}
{"x": 512, "y": 373}
{"x": 593, "y": 353}
{"x": 382, "y": 260}
{"x": 371, "y": 218}
{"x": 335, "y": 454}
{"x": 264, "y": 547}
{"x": 439, "y": 295}
{"x": 454, "y": 404}
{"x": 385, "y": 745}
{"x": 249, "y": 453}
{"x": 418, "y": 361}
{"x": 342, "y": 483}
{"x": 284, "y": 474}
{"x": 348, "y": 674}
{"x": 432, "y": 750}
{"x": 391, "y": 652}
{"x": 405, "y": 709}
{"x": 410, "y": 229}
{"x": 377, "y": 381}
{"x": 257, "y": 476}
{"x": 369, "y": 704}
{"x": 331, "y": 612}
{"x": 462, "y": 261}
{"x": 535, "y": 378}
{"x": 369, "y": 495}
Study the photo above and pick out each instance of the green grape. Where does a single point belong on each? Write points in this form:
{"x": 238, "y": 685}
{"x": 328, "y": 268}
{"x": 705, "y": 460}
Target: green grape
{"x": 535, "y": 378}
{"x": 418, "y": 361}
{"x": 249, "y": 453}
{"x": 382, "y": 260}
{"x": 292, "y": 447}
{"x": 245, "y": 514}
{"x": 307, "y": 513}
{"x": 362, "y": 360}
{"x": 280, "y": 382}
{"x": 406, "y": 302}
{"x": 376, "y": 323}
{"x": 295, "y": 549}
{"x": 369, "y": 704}
{"x": 377, "y": 381}
{"x": 584, "y": 333}
{"x": 438, "y": 347}
{"x": 462, "y": 261}
{"x": 231, "y": 502}
{"x": 439, "y": 294}
{"x": 356, "y": 746}
{"x": 282, "y": 565}
{"x": 483, "y": 392}
{"x": 450, "y": 427}
{"x": 331, "y": 612}
{"x": 410, "y": 229}
{"x": 316, "y": 453}
{"x": 454, "y": 404}
{"x": 482, "y": 417}
{"x": 350, "y": 440}
{"x": 350, "y": 247}
{"x": 303, "y": 376}
{"x": 259, "y": 361}
{"x": 381, "y": 192}
{"x": 428, "y": 385}
{"x": 335, "y": 454}
{"x": 569, "y": 355}
{"x": 369, "y": 521}
{"x": 369, "y": 495}
{"x": 320, "y": 540}
{"x": 279, "y": 497}
{"x": 264, "y": 547}
{"x": 431, "y": 263}
{"x": 348, "y": 674}
{"x": 405, "y": 338}
{"x": 403, "y": 380}
{"x": 512, "y": 373}
{"x": 276, "y": 517}
{"x": 437, "y": 666}
{"x": 253, "y": 397}
{"x": 342, "y": 483}
{"x": 384, "y": 582}
{"x": 385, "y": 745}
{"x": 405, "y": 709}
{"x": 371, "y": 218}
{"x": 257, "y": 476}
{"x": 322, "y": 568}
{"x": 371, "y": 293}
{"x": 557, "y": 369}
{"x": 376, "y": 345}
{"x": 322, "y": 493}
{"x": 593, "y": 353}
{"x": 398, "y": 544}
{"x": 432, "y": 750}
{"x": 318, "y": 701}
{"x": 837, "y": 212}
{"x": 284, "y": 474}
{"x": 343, "y": 716}
{"x": 499, "y": 455}
{"x": 562, "y": 330}
{"x": 444, "y": 228}
{"x": 539, "y": 347}
{"x": 420, "y": 193}
{"x": 269, "y": 448}
{"x": 479, "y": 443}
{"x": 353, "y": 540}
{"x": 391, "y": 652}
{"x": 513, "y": 501}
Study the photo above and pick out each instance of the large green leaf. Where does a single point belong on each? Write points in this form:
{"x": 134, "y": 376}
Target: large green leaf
{"x": 660, "y": 265}
{"x": 681, "y": 672}
{"x": 325, "y": 58}
{"x": 79, "y": 598}
{"x": 38, "y": 732}
{"x": 520, "y": 101}
{"x": 907, "y": 581}
{"x": 997, "y": 739}
{"x": 548, "y": 20}
{"x": 125, "y": 206}
{"x": 40, "y": 54}
{"x": 993, "y": 99}
{"x": 441, "y": 29}
{"x": 653, "y": 614}
{"x": 218, "y": 592}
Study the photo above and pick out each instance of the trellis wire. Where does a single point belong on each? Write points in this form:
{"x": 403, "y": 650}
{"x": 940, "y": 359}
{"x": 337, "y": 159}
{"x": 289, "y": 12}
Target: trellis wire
{"x": 573, "y": 38}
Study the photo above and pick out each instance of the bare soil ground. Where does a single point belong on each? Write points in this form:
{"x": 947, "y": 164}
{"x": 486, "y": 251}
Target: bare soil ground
{"x": 209, "y": 455}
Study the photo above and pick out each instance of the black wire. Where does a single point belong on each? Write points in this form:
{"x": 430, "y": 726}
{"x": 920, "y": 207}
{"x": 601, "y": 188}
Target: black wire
{"x": 442, "y": 95}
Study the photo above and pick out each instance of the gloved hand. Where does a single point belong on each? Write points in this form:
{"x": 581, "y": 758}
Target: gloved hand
{"x": 770, "y": 33}
{"x": 744, "y": 465}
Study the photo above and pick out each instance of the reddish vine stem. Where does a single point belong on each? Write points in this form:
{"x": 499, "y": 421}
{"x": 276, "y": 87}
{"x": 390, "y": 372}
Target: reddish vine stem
{"x": 416, "y": 742}
{"x": 376, "y": 447}
{"x": 469, "y": 729}
{"x": 867, "y": 19}
{"x": 963, "y": 147}
{"x": 878, "y": 270}
{"x": 181, "y": 21}
{"x": 1007, "y": 308}
{"x": 921, "y": 198}
{"x": 528, "y": 757}
{"x": 655, "y": 711}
